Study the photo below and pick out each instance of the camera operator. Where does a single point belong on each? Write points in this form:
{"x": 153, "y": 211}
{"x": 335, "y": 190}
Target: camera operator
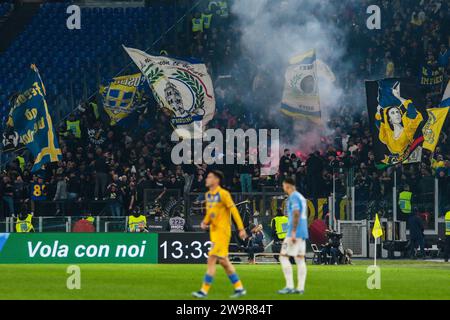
{"x": 333, "y": 248}
{"x": 255, "y": 242}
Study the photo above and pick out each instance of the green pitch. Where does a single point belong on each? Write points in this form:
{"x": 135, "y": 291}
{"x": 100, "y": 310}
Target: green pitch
{"x": 399, "y": 280}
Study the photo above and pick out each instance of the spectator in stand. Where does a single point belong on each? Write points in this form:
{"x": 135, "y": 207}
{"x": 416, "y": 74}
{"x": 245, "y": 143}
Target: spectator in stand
{"x": 124, "y": 187}
{"x": 8, "y": 195}
{"x": 160, "y": 182}
{"x": 199, "y": 183}
{"x": 101, "y": 174}
{"x": 115, "y": 200}
{"x": 73, "y": 186}
{"x": 286, "y": 163}
{"x": 189, "y": 170}
{"x": 174, "y": 183}
{"x": 245, "y": 174}
{"x": 416, "y": 229}
{"x": 20, "y": 190}
{"x": 61, "y": 192}
{"x": 255, "y": 242}
{"x": 132, "y": 196}
{"x": 314, "y": 169}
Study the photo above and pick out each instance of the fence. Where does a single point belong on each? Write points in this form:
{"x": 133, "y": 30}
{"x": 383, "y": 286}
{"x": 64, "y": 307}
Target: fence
{"x": 65, "y": 224}
{"x": 350, "y": 199}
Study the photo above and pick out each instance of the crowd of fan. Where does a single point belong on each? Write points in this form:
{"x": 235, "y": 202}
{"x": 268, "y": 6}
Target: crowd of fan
{"x": 117, "y": 163}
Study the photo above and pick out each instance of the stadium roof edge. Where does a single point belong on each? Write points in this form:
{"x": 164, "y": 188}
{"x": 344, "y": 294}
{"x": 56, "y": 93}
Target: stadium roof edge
{"x": 111, "y": 4}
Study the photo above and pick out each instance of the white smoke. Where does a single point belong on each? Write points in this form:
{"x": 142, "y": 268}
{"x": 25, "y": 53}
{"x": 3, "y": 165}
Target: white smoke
{"x": 273, "y": 31}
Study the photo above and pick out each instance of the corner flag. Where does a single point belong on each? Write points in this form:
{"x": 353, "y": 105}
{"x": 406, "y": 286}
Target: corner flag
{"x": 377, "y": 231}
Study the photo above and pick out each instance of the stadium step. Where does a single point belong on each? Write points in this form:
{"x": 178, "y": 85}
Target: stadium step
{"x": 16, "y": 22}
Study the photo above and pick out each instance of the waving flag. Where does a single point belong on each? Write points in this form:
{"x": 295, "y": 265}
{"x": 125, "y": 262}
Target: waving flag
{"x": 446, "y": 97}
{"x": 119, "y": 96}
{"x": 436, "y": 121}
{"x": 301, "y": 91}
{"x": 184, "y": 88}
{"x": 401, "y": 125}
{"x": 30, "y": 118}
{"x": 377, "y": 231}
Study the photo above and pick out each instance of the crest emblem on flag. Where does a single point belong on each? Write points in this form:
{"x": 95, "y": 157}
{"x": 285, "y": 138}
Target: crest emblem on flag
{"x": 119, "y": 96}
{"x": 301, "y": 89}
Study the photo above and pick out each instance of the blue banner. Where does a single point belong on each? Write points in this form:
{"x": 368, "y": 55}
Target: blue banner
{"x": 30, "y": 118}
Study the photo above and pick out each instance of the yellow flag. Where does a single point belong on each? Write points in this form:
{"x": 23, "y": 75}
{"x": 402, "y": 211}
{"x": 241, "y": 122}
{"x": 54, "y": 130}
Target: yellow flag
{"x": 432, "y": 129}
{"x": 377, "y": 231}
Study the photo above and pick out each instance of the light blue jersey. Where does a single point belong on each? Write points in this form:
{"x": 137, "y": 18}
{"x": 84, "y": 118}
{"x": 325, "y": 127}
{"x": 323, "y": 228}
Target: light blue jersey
{"x": 297, "y": 202}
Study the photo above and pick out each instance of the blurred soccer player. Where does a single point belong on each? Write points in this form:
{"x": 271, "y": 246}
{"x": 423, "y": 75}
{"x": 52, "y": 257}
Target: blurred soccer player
{"x": 219, "y": 209}
{"x": 294, "y": 245}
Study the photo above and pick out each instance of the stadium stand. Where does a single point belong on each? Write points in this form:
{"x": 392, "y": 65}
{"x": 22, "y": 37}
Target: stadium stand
{"x": 83, "y": 58}
{"x": 5, "y": 8}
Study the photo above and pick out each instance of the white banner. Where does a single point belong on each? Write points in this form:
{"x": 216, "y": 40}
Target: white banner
{"x": 182, "y": 87}
{"x": 301, "y": 92}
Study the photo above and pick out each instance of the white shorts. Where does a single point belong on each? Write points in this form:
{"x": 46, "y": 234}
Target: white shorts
{"x": 293, "y": 249}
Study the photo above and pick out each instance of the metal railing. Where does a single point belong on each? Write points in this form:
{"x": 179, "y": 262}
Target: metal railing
{"x": 66, "y": 224}
{"x": 355, "y": 203}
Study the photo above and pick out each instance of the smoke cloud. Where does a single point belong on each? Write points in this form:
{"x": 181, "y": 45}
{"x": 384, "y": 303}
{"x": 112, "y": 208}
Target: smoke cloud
{"x": 274, "y": 31}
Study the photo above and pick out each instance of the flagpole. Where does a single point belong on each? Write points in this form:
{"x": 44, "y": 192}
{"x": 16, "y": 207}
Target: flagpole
{"x": 375, "y": 253}
{"x": 394, "y": 204}
{"x": 377, "y": 232}
{"x": 333, "y": 208}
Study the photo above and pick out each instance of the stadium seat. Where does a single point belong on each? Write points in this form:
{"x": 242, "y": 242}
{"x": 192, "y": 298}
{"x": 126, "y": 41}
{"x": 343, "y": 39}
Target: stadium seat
{"x": 52, "y": 47}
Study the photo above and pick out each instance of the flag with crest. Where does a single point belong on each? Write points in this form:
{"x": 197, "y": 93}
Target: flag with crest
{"x": 181, "y": 87}
{"x": 121, "y": 95}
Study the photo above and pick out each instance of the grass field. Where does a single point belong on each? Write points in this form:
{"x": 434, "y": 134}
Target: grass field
{"x": 399, "y": 280}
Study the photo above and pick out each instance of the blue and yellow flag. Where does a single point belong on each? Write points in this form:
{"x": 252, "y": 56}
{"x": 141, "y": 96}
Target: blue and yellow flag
{"x": 446, "y": 97}
{"x": 437, "y": 117}
{"x": 301, "y": 92}
{"x": 30, "y": 118}
{"x": 402, "y": 127}
{"x": 120, "y": 95}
